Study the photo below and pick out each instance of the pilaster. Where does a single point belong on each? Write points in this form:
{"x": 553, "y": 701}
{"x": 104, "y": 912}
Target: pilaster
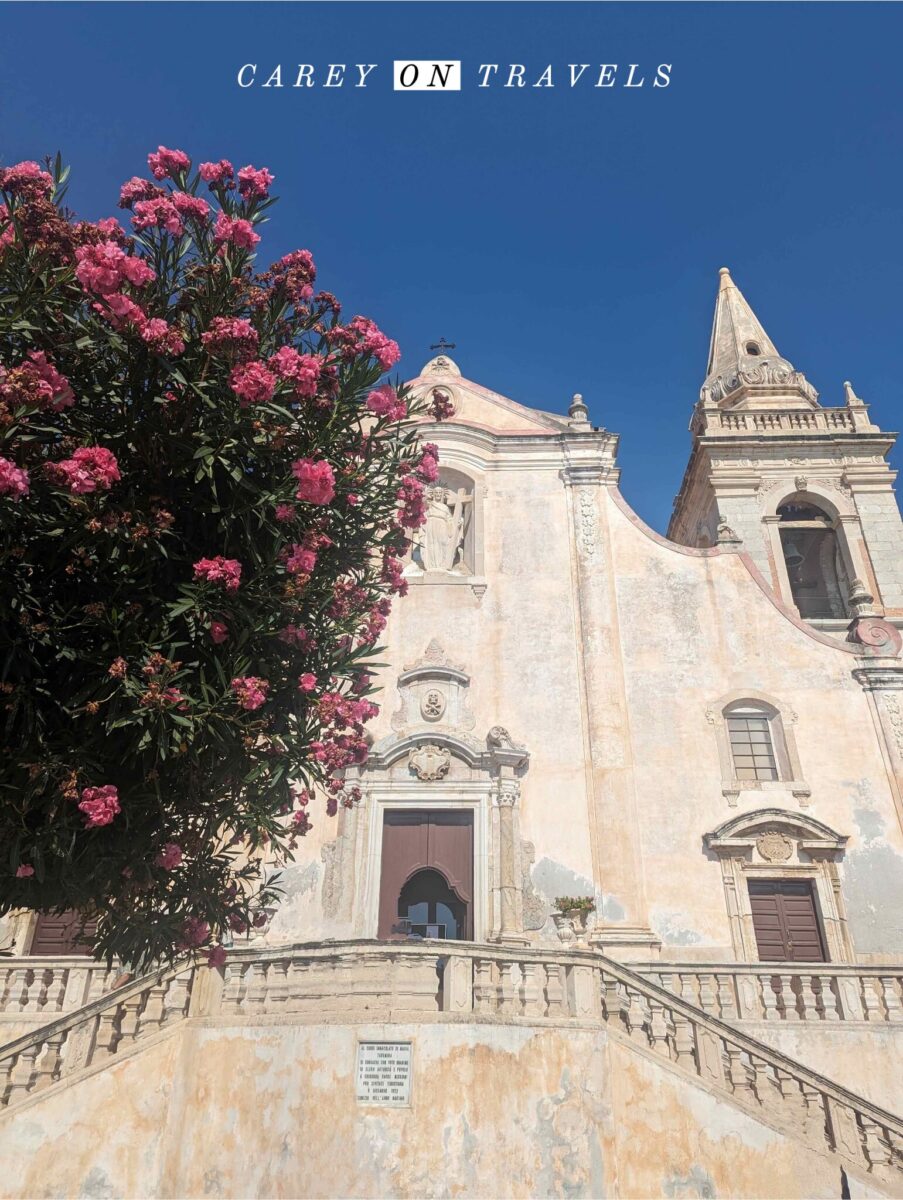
{"x": 882, "y": 681}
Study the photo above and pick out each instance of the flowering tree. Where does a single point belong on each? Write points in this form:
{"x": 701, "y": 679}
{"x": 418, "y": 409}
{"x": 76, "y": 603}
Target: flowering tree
{"x": 204, "y": 497}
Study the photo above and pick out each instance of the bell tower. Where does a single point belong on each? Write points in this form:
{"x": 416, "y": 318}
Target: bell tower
{"x": 804, "y": 489}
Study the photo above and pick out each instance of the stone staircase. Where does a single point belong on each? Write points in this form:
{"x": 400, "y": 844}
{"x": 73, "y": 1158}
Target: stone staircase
{"x": 424, "y": 983}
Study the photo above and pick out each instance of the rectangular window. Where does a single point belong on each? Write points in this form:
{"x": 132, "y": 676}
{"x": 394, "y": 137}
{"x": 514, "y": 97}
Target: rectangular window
{"x": 752, "y": 747}
{"x": 785, "y": 921}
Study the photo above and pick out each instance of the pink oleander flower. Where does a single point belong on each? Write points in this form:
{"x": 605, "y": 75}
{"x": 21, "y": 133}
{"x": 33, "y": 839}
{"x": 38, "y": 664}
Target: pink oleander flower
{"x": 169, "y": 857}
{"x": 190, "y": 206}
{"x": 252, "y": 383}
{"x": 303, "y": 370}
{"x": 13, "y": 480}
{"x": 104, "y": 267}
{"x": 25, "y": 871}
{"x": 236, "y": 230}
{"x": 119, "y": 310}
{"x": 441, "y": 406}
{"x": 219, "y": 632}
{"x": 307, "y": 682}
{"x": 412, "y": 513}
{"x": 232, "y": 335}
{"x": 296, "y": 272}
{"x": 294, "y": 635}
{"x": 167, "y": 163}
{"x": 62, "y": 395}
{"x": 250, "y": 691}
{"x": 301, "y": 559}
{"x": 253, "y": 183}
{"x": 194, "y": 933}
{"x": 216, "y": 956}
{"x": 362, "y": 336}
{"x": 385, "y": 402}
{"x": 316, "y": 481}
{"x": 89, "y": 468}
{"x": 138, "y": 189}
{"x": 285, "y": 512}
{"x": 218, "y": 172}
{"x": 26, "y": 179}
{"x": 161, "y": 337}
{"x": 428, "y": 467}
{"x": 226, "y": 571}
{"x": 161, "y": 211}
{"x": 99, "y": 805}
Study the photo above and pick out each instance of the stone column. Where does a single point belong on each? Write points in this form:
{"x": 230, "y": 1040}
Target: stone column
{"x": 622, "y": 922}
{"x": 506, "y": 759}
{"x": 882, "y": 681}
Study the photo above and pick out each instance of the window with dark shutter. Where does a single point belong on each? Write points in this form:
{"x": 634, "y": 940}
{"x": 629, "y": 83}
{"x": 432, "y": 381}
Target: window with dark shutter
{"x": 786, "y": 921}
{"x": 60, "y": 934}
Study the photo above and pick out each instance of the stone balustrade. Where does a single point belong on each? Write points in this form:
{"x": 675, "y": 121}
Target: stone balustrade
{"x": 820, "y": 420}
{"x": 414, "y": 982}
{"x": 785, "y": 991}
{"x": 34, "y": 990}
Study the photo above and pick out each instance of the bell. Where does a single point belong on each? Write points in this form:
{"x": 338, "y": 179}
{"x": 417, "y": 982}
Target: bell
{"x": 792, "y": 556}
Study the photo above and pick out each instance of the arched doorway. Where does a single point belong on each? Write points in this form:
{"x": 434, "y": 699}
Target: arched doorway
{"x": 819, "y": 583}
{"x": 431, "y": 908}
{"x": 426, "y": 872}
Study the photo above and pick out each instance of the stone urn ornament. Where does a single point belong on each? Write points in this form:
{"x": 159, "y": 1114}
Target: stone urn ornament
{"x": 571, "y": 918}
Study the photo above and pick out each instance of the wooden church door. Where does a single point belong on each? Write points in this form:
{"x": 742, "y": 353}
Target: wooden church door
{"x": 427, "y": 868}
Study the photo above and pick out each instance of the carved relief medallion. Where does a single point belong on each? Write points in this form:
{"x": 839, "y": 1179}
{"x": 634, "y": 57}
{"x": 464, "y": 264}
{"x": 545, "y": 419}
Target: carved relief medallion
{"x": 432, "y": 706}
{"x": 774, "y": 847}
{"x": 430, "y": 762}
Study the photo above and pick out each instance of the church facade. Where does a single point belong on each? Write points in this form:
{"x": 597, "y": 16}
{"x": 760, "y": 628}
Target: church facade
{"x": 619, "y": 910}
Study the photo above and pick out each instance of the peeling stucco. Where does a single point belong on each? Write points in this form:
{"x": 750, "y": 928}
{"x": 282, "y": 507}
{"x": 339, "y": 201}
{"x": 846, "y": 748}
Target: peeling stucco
{"x": 873, "y": 891}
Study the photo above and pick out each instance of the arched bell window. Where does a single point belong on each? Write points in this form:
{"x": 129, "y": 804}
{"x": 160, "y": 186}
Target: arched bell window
{"x": 431, "y": 908}
{"x": 816, "y": 571}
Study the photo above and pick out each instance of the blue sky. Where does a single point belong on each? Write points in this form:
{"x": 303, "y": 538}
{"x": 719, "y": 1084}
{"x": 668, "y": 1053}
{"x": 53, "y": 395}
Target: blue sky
{"x": 566, "y": 240}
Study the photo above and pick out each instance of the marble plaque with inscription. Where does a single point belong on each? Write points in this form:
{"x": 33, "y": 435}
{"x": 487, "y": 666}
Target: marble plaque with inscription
{"x": 384, "y": 1073}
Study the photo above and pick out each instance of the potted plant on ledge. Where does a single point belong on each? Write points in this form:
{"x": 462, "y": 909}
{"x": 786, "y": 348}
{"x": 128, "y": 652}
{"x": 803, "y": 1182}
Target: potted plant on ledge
{"x": 571, "y": 916}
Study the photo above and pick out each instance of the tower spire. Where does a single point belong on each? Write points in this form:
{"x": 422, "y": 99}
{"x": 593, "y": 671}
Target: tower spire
{"x": 744, "y": 363}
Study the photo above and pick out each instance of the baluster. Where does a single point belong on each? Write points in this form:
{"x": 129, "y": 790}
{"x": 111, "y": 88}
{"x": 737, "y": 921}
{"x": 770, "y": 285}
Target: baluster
{"x": 531, "y": 1001}
{"x": 808, "y": 997}
{"x": 154, "y": 1010}
{"x": 129, "y": 1021}
{"x": 771, "y": 1012}
{"x": 554, "y": 990}
{"x": 614, "y": 1001}
{"x": 685, "y": 1042}
{"x": 484, "y": 991}
{"x": 22, "y": 1076}
{"x": 738, "y": 1073}
{"x": 107, "y": 1039}
{"x": 176, "y": 999}
{"x": 792, "y": 1099}
{"x": 727, "y": 1004}
{"x": 277, "y": 981}
{"x": 707, "y": 1000}
{"x": 873, "y": 1009}
{"x": 829, "y": 1003}
{"x": 789, "y": 999}
{"x": 37, "y": 991}
{"x": 48, "y": 1065}
{"x": 234, "y": 986}
{"x": 507, "y": 987}
{"x": 892, "y": 998}
{"x": 19, "y": 988}
{"x": 815, "y": 1115}
{"x": 56, "y": 991}
{"x": 660, "y": 1027}
{"x": 638, "y": 1016}
{"x": 878, "y": 1148}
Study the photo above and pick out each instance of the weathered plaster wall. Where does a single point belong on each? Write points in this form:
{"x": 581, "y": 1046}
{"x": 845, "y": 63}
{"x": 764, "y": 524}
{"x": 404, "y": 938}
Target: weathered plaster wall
{"x": 270, "y": 1111}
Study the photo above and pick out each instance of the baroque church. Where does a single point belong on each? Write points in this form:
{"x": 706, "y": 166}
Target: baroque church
{"x": 619, "y": 911}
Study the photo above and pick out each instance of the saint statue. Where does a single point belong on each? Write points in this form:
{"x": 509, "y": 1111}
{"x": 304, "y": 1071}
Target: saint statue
{"x": 442, "y": 538}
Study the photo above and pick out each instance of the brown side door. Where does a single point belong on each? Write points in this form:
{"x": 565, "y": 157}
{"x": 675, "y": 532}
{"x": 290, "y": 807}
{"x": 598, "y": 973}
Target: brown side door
{"x": 59, "y": 934}
{"x": 785, "y": 920}
{"x": 418, "y": 839}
